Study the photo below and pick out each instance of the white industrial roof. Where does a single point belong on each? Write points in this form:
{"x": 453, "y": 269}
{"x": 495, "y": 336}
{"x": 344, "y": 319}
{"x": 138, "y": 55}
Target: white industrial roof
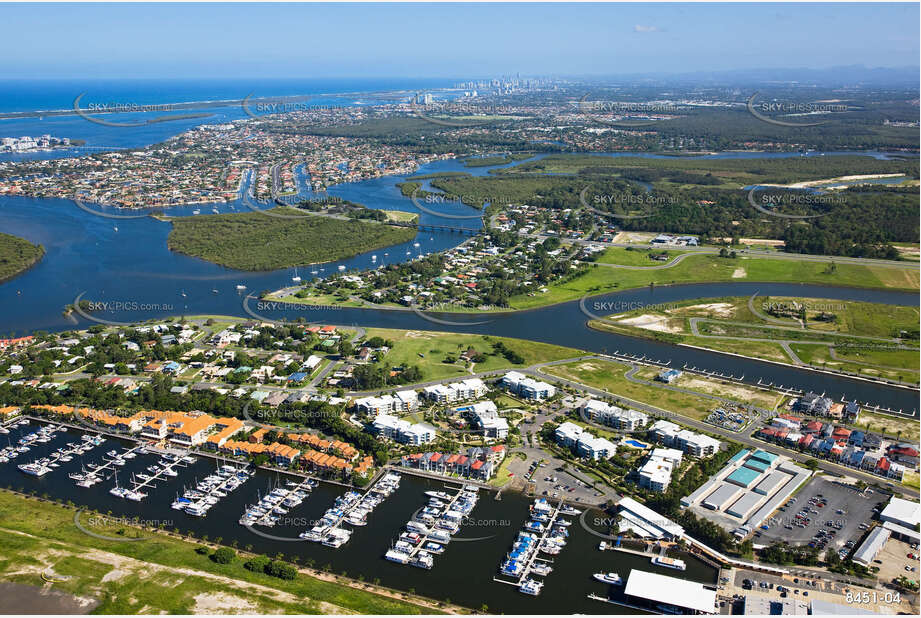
{"x": 897, "y": 529}
{"x": 901, "y": 511}
{"x": 871, "y": 546}
{"x": 671, "y": 590}
{"x": 721, "y": 497}
{"x": 651, "y": 517}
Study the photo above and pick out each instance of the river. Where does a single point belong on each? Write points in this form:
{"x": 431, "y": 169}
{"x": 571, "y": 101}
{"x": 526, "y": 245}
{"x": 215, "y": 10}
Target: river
{"x": 126, "y": 261}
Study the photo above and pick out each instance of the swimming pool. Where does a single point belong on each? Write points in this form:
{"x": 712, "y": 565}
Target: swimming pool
{"x": 636, "y": 444}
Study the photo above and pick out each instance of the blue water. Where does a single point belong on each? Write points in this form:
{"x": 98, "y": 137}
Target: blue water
{"x": 636, "y": 444}
{"x": 40, "y": 95}
{"x": 37, "y": 95}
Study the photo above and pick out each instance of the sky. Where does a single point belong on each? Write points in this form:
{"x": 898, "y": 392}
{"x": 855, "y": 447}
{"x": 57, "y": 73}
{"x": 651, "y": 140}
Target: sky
{"x": 446, "y": 40}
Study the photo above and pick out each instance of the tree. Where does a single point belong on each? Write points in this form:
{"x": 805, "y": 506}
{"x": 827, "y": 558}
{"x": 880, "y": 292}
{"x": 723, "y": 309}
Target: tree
{"x": 224, "y": 555}
{"x": 282, "y": 570}
{"x": 257, "y": 564}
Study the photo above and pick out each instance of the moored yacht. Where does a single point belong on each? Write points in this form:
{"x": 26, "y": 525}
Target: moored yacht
{"x": 531, "y": 586}
{"x": 609, "y": 578}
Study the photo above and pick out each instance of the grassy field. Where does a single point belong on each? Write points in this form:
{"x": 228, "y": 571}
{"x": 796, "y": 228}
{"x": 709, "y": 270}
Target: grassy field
{"x": 733, "y": 172}
{"x": 635, "y": 257}
{"x": 732, "y": 327}
{"x": 254, "y": 241}
{"x": 898, "y": 364}
{"x": 159, "y": 575}
{"x": 401, "y": 216}
{"x": 707, "y": 268}
{"x": 609, "y": 375}
{"x": 427, "y": 350}
{"x": 16, "y": 255}
{"x": 891, "y": 425}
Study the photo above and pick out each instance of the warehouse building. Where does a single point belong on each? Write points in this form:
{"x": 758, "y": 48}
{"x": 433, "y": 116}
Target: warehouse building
{"x": 679, "y": 596}
{"x": 872, "y": 545}
{"x": 751, "y": 486}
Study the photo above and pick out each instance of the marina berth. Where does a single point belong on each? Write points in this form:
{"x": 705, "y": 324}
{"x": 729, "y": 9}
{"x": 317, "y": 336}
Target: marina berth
{"x": 351, "y": 508}
{"x": 277, "y": 502}
{"x": 431, "y": 527}
{"x": 209, "y": 491}
{"x": 544, "y": 533}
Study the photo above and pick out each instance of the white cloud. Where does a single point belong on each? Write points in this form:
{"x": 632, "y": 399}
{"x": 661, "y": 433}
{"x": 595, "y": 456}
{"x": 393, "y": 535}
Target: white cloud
{"x": 641, "y": 28}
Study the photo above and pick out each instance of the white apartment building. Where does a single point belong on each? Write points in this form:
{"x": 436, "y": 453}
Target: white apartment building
{"x": 402, "y": 401}
{"x": 672, "y": 435}
{"x": 396, "y": 429}
{"x": 656, "y": 471}
{"x": 614, "y": 416}
{"x": 584, "y": 442}
{"x": 455, "y": 391}
{"x": 526, "y": 387}
{"x": 486, "y": 416}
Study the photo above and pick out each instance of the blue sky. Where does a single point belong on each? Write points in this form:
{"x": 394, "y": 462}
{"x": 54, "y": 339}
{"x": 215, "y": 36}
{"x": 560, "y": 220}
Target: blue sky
{"x": 447, "y": 40}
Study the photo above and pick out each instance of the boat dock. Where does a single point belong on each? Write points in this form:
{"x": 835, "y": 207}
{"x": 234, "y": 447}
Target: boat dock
{"x": 111, "y": 464}
{"x": 544, "y": 533}
{"x": 276, "y": 501}
{"x": 426, "y": 538}
{"x": 352, "y": 508}
{"x": 163, "y": 470}
{"x": 432, "y": 526}
{"x": 208, "y": 492}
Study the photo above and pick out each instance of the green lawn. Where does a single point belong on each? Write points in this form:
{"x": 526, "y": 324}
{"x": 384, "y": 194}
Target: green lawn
{"x": 401, "y": 216}
{"x": 427, "y": 350}
{"x": 609, "y": 375}
{"x": 897, "y": 364}
{"x": 635, "y": 257}
{"x": 733, "y": 327}
{"x": 706, "y": 268}
{"x": 159, "y": 575}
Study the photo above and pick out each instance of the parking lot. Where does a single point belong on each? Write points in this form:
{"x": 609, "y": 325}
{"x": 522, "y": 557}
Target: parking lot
{"x": 893, "y": 561}
{"x": 826, "y": 512}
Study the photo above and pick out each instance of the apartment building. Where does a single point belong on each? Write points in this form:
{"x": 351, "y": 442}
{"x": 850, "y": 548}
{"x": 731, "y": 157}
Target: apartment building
{"x": 687, "y": 441}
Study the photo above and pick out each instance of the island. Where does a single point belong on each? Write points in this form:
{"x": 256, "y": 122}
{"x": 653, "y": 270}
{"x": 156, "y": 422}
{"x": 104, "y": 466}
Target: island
{"x": 16, "y": 255}
{"x": 258, "y": 241}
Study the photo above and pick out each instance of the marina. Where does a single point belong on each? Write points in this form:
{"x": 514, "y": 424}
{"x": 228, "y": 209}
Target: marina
{"x": 44, "y": 465}
{"x": 211, "y": 490}
{"x": 544, "y": 533}
{"x": 482, "y": 542}
{"x": 26, "y": 442}
{"x": 432, "y": 526}
{"x": 352, "y": 508}
{"x": 97, "y": 472}
{"x": 164, "y": 469}
{"x": 277, "y": 502}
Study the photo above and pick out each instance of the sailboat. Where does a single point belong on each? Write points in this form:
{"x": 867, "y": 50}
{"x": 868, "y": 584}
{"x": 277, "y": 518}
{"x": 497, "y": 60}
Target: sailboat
{"x": 295, "y": 278}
